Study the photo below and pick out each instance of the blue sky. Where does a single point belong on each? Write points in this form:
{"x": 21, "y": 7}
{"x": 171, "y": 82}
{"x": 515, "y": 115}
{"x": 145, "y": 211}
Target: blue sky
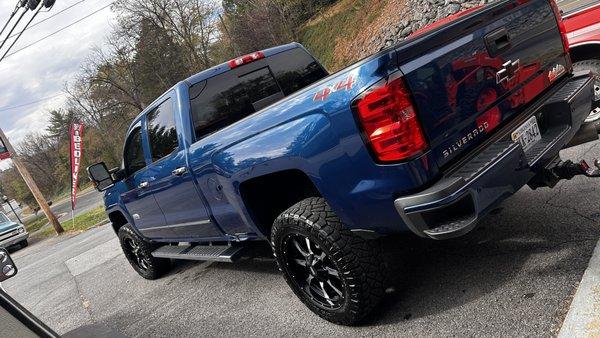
{"x": 42, "y": 70}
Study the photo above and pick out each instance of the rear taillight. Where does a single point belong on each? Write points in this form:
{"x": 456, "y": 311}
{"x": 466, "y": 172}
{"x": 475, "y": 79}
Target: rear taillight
{"x": 561, "y": 25}
{"x": 389, "y": 121}
{"x": 242, "y": 60}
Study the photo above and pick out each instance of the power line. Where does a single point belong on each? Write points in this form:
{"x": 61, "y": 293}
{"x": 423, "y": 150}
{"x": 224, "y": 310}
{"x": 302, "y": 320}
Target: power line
{"x": 51, "y": 16}
{"x": 11, "y": 16}
{"x": 13, "y": 28}
{"x": 60, "y": 30}
{"x": 32, "y": 102}
{"x": 21, "y": 33}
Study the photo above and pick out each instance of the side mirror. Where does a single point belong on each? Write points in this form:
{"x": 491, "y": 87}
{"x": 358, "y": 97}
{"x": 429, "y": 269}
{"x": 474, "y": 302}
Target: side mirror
{"x": 8, "y": 268}
{"x": 100, "y": 176}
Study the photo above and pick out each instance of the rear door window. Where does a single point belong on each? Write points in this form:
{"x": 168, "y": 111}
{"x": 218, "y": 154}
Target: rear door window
{"x": 162, "y": 133}
{"x": 229, "y": 97}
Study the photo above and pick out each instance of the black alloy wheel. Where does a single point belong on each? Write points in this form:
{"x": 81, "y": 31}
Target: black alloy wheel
{"x": 313, "y": 271}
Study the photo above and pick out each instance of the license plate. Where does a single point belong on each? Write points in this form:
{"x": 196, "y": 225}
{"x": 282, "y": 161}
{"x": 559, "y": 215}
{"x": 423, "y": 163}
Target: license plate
{"x": 528, "y": 134}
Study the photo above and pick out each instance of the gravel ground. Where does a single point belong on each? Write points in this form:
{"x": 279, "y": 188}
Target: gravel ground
{"x": 512, "y": 276}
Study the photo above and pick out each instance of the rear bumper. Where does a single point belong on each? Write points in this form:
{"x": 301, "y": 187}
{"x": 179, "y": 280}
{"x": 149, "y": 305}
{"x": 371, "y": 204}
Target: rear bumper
{"x": 453, "y": 205}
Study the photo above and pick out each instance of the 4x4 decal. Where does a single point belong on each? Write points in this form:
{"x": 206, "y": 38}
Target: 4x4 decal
{"x": 323, "y": 94}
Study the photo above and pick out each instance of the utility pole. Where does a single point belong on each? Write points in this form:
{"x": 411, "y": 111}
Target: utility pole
{"x": 31, "y": 184}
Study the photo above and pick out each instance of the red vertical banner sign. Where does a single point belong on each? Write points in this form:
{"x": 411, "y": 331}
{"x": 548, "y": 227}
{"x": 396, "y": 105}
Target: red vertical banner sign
{"x": 76, "y": 156}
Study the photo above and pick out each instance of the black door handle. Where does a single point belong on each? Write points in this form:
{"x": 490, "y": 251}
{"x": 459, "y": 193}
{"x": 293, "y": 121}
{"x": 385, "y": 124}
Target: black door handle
{"x": 497, "y": 42}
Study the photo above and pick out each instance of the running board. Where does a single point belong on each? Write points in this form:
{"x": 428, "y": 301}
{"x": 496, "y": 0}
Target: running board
{"x": 216, "y": 253}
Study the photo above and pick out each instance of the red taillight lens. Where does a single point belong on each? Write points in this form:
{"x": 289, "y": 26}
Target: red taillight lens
{"x": 242, "y": 60}
{"x": 561, "y": 25}
{"x": 389, "y": 121}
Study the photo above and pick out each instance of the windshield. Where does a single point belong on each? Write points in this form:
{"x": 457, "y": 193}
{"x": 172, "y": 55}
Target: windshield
{"x": 3, "y": 218}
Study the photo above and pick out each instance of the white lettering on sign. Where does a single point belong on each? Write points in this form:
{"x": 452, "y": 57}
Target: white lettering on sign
{"x": 76, "y": 155}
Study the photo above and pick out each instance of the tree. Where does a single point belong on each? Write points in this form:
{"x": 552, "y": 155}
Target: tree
{"x": 158, "y": 61}
{"x": 191, "y": 23}
{"x": 260, "y": 24}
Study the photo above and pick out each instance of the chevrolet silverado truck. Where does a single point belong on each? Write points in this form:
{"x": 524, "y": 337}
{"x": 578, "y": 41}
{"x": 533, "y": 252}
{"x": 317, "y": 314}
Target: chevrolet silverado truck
{"x": 12, "y": 233}
{"x": 423, "y": 138}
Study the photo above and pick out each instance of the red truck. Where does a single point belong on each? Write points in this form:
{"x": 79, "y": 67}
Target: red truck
{"x": 582, "y": 22}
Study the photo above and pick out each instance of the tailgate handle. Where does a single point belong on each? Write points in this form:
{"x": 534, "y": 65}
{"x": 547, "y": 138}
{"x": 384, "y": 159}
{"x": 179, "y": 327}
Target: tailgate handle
{"x": 497, "y": 42}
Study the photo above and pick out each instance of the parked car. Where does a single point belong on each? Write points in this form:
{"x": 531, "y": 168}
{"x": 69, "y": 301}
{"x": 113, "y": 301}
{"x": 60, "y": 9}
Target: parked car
{"x": 425, "y": 137}
{"x": 582, "y": 23}
{"x": 12, "y": 233}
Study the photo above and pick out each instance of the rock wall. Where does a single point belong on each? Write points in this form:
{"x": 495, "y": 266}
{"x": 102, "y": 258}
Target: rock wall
{"x": 416, "y": 14}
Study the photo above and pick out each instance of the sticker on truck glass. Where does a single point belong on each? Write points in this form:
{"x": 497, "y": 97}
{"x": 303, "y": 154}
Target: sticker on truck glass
{"x": 346, "y": 85}
{"x": 556, "y": 72}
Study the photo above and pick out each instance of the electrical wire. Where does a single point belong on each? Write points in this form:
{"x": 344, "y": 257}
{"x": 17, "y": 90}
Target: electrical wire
{"x": 12, "y": 15}
{"x": 57, "y": 31}
{"x": 23, "y": 31}
{"x": 32, "y": 102}
{"x": 51, "y": 16}
{"x": 13, "y": 28}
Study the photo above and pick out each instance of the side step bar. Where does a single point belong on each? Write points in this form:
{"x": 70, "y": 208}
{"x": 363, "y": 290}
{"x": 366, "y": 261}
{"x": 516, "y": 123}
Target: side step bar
{"x": 216, "y": 253}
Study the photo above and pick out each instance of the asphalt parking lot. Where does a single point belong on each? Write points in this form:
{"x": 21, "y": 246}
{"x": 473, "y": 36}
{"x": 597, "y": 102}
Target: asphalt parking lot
{"x": 512, "y": 276}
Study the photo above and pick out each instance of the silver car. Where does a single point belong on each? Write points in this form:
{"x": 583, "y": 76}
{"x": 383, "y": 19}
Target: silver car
{"x": 12, "y": 233}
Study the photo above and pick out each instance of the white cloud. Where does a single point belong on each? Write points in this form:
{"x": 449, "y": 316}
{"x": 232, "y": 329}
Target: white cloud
{"x": 41, "y": 70}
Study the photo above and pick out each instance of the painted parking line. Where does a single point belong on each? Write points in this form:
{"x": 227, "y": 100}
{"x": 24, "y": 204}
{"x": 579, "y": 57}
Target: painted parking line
{"x": 583, "y": 319}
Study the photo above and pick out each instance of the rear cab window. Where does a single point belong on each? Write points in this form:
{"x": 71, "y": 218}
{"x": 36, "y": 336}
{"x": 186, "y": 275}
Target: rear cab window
{"x": 229, "y": 97}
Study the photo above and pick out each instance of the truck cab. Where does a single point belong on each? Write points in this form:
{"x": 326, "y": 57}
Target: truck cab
{"x": 168, "y": 185}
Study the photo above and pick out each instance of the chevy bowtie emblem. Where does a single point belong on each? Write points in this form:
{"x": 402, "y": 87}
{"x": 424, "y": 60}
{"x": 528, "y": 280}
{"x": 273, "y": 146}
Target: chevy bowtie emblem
{"x": 508, "y": 71}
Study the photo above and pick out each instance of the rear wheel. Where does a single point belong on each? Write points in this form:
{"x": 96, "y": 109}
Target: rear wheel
{"x": 138, "y": 252}
{"x": 335, "y": 273}
{"x": 594, "y": 66}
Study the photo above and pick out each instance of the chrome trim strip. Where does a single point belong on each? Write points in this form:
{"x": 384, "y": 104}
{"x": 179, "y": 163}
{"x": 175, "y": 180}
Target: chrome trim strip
{"x": 584, "y": 43}
{"x": 9, "y": 234}
{"x": 579, "y": 10}
{"x": 206, "y": 221}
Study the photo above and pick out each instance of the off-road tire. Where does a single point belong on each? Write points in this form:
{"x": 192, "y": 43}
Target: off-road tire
{"x": 23, "y": 244}
{"x": 359, "y": 261}
{"x": 589, "y": 64}
{"x": 155, "y": 267}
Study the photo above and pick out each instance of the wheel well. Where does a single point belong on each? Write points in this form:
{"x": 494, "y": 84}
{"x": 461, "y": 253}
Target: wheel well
{"x": 117, "y": 219}
{"x": 584, "y": 52}
{"x": 268, "y": 196}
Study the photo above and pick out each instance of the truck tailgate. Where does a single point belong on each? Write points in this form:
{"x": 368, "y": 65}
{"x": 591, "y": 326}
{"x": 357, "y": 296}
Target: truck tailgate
{"x": 471, "y": 76}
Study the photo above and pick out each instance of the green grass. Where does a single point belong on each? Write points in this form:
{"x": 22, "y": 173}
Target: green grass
{"x": 82, "y": 222}
{"x": 340, "y": 24}
{"x": 35, "y": 223}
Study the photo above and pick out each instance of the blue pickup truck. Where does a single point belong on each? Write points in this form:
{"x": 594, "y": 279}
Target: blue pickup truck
{"x": 423, "y": 138}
